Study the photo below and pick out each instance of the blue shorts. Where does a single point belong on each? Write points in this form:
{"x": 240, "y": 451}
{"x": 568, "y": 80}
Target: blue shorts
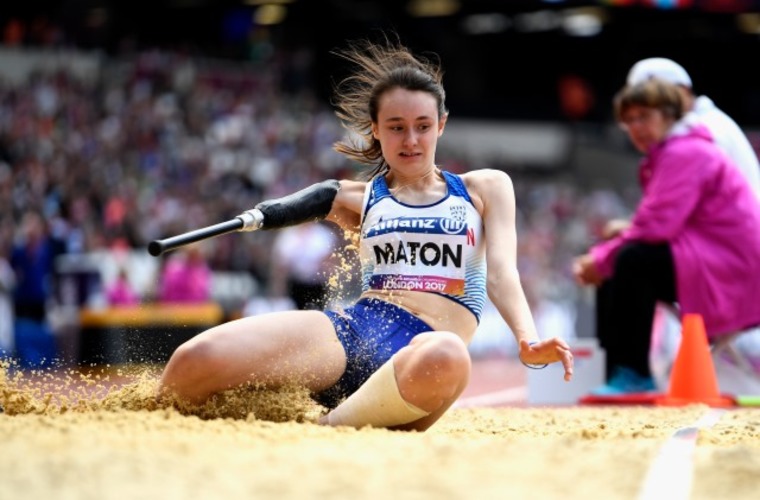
{"x": 371, "y": 331}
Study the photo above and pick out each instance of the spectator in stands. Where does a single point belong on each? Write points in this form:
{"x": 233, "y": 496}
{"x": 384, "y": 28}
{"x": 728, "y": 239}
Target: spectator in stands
{"x": 432, "y": 245}
{"x": 121, "y": 292}
{"x": 185, "y": 277}
{"x": 32, "y": 260}
{"x": 694, "y": 239}
{"x": 301, "y": 263}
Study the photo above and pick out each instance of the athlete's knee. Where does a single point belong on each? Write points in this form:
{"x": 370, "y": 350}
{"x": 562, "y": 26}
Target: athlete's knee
{"x": 193, "y": 359}
{"x": 440, "y": 359}
{"x": 443, "y": 352}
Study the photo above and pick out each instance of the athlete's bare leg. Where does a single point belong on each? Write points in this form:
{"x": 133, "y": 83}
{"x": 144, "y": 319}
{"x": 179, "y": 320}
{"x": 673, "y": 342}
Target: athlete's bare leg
{"x": 272, "y": 349}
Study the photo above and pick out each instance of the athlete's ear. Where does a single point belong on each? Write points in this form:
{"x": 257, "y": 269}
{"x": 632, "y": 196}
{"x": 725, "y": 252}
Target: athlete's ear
{"x": 375, "y": 131}
{"x": 442, "y": 124}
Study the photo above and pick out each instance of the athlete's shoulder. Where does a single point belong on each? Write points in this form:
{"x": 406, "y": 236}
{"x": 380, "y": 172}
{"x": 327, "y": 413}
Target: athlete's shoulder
{"x": 486, "y": 177}
{"x": 487, "y": 183}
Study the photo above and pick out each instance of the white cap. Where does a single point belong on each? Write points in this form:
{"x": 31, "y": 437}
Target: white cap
{"x": 660, "y": 68}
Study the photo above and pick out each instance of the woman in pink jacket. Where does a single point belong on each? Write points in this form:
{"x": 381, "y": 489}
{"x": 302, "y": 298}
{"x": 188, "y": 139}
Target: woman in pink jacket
{"x": 693, "y": 241}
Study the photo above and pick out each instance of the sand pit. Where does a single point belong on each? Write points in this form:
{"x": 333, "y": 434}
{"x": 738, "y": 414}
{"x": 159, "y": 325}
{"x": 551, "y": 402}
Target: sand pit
{"x": 121, "y": 444}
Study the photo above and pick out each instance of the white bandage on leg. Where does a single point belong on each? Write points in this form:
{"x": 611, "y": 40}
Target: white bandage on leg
{"x": 377, "y": 402}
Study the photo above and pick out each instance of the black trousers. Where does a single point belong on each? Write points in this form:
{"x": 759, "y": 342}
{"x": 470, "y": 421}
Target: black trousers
{"x": 625, "y": 304}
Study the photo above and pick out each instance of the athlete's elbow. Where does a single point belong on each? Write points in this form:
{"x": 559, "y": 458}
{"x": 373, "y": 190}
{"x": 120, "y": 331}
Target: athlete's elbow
{"x": 497, "y": 281}
{"x": 493, "y": 286}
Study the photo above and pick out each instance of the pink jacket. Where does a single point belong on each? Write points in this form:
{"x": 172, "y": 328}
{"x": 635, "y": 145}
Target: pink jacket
{"x": 184, "y": 281}
{"x": 695, "y": 199}
{"x": 121, "y": 294}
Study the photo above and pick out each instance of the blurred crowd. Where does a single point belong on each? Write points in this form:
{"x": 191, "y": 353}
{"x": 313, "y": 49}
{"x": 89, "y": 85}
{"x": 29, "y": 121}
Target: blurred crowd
{"x": 158, "y": 145}
{"x": 162, "y": 143}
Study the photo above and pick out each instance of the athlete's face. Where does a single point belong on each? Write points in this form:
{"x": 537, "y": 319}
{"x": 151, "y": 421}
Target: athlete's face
{"x": 646, "y": 126}
{"x": 408, "y": 128}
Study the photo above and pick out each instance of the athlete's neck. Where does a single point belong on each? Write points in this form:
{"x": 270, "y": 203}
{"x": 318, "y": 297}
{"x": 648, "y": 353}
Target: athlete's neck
{"x": 397, "y": 182}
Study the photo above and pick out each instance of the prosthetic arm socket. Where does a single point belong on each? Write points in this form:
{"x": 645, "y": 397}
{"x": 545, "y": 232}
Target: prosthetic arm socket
{"x": 307, "y": 205}
{"x": 378, "y": 402}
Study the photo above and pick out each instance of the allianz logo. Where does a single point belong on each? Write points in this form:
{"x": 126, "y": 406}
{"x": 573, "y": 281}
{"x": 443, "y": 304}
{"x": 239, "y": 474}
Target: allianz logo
{"x": 445, "y": 224}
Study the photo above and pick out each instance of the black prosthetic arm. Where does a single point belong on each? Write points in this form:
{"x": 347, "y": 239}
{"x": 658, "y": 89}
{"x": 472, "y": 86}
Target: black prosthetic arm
{"x": 307, "y": 205}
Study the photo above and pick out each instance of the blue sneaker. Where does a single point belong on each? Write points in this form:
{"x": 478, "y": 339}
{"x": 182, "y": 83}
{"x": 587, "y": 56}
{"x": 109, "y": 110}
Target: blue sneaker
{"x": 625, "y": 381}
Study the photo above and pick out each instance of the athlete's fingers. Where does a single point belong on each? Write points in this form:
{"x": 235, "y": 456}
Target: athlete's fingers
{"x": 566, "y": 356}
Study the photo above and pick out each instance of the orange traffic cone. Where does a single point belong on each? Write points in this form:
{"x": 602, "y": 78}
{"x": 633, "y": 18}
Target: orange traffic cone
{"x": 693, "y": 379}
